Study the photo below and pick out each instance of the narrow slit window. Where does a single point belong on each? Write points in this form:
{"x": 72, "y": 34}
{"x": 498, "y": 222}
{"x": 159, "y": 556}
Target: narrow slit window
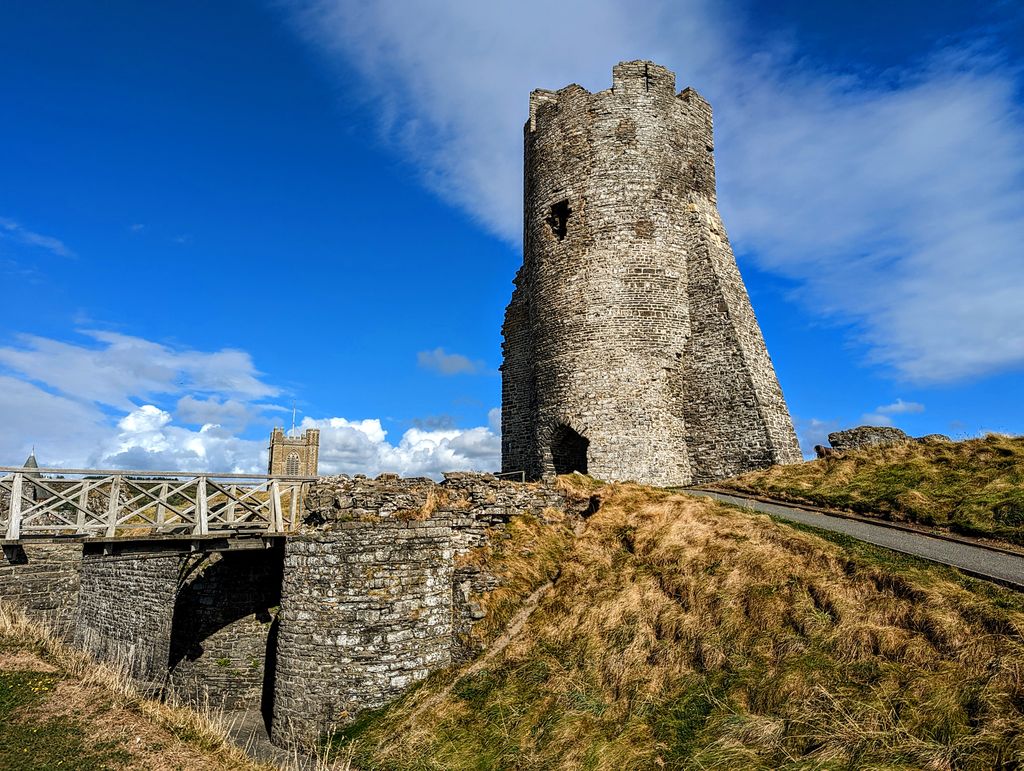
{"x": 559, "y": 219}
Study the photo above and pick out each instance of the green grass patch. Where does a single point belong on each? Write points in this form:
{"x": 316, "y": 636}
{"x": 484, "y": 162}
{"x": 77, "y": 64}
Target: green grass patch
{"x": 54, "y": 743}
{"x": 973, "y": 487}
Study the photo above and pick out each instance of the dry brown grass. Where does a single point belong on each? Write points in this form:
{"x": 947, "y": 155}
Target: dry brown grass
{"x": 681, "y": 633}
{"x": 526, "y": 557}
{"x": 974, "y": 487}
{"x": 101, "y": 704}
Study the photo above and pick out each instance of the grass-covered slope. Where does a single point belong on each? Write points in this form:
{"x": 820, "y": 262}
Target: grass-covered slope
{"x": 974, "y": 487}
{"x": 681, "y": 633}
{"x": 59, "y": 710}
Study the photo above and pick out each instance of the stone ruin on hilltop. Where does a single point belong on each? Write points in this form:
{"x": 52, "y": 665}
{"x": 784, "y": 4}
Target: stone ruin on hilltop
{"x": 631, "y": 349}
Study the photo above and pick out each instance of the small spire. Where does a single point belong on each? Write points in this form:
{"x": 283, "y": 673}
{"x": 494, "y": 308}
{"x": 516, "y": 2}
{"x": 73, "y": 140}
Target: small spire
{"x": 293, "y": 420}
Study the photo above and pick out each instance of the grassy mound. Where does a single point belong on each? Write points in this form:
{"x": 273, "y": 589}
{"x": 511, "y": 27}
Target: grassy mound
{"x": 974, "y": 487}
{"x": 59, "y": 710}
{"x": 681, "y": 633}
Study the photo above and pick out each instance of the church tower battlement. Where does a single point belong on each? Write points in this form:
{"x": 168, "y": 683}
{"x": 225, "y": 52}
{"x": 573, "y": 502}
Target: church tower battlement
{"x": 294, "y": 456}
{"x": 631, "y": 349}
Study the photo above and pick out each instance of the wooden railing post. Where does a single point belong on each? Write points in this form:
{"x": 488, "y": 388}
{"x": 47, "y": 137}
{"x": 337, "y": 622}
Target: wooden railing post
{"x": 276, "y": 515}
{"x": 202, "y": 509}
{"x": 229, "y": 512}
{"x": 14, "y": 523}
{"x": 83, "y": 506}
{"x": 294, "y": 505}
{"x": 113, "y": 505}
{"x": 161, "y": 507}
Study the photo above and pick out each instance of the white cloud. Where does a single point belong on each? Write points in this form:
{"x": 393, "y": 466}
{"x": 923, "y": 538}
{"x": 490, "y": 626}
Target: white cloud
{"x": 81, "y": 410}
{"x": 361, "y": 447}
{"x": 882, "y": 415}
{"x": 122, "y": 368}
{"x": 14, "y": 231}
{"x": 146, "y": 439}
{"x": 876, "y": 419}
{"x": 62, "y": 430}
{"x": 900, "y": 407}
{"x": 438, "y": 360}
{"x": 230, "y": 413}
{"x": 895, "y": 201}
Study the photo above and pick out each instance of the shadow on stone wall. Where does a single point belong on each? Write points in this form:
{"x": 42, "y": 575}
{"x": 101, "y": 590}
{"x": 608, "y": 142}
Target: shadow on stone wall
{"x": 269, "y": 674}
{"x": 221, "y": 631}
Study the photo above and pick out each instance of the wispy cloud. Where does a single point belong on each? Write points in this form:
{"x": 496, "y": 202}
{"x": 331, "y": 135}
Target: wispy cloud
{"x": 882, "y": 416}
{"x": 861, "y": 189}
{"x": 116, "y": 370}
{"x": 444, "y": 363}
{"x": 14, "y": 231}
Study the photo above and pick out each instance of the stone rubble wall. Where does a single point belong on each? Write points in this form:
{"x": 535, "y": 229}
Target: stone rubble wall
{"x": 42, "y": 580}
{"x": 372, "y": 600}
{"x": 876, "y": 436}
{"x": 365, "y": 612}
{"x": 478, "y": 506}
{"x": 126, "y": 608}
{"x": 866, "y": 436}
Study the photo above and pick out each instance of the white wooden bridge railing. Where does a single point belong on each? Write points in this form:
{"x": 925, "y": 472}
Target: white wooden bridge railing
{"x": 139, "y": 504}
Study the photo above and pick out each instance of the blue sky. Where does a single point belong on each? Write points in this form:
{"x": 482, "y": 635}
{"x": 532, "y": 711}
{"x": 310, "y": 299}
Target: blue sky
{"x": 209, "y": 211}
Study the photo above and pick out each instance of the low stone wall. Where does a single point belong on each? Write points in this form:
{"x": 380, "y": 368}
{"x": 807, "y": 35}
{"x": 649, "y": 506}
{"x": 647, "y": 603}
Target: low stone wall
{"x": 866, "y": 436}
{"x": 42, "y": 580}
{"x": 478, "y": 506}
{"x": 365, "y": 612}
{"x": 221, "y": 633}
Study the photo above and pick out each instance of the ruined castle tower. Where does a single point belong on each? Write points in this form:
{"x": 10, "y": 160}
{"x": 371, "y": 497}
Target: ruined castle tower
{"x": 631, "y": 350}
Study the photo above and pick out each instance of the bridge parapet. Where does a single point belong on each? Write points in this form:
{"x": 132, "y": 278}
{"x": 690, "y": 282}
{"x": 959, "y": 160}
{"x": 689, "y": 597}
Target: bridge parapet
{"x": 99, "y": 503}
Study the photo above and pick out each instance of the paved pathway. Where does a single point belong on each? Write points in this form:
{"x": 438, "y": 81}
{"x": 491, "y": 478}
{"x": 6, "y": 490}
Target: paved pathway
{"x": 998, "y": 566}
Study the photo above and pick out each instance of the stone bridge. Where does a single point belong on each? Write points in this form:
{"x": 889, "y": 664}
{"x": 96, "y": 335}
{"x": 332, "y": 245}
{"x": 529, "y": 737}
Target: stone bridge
{"x": 307, "y": 599}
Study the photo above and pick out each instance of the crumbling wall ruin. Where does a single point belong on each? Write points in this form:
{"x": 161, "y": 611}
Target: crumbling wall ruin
{"x": 631, "y": 350}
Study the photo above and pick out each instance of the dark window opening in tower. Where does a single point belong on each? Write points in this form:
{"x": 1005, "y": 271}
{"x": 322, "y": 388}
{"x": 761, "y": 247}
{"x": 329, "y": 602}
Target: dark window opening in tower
{"x": 559, "y": 219}
{"x": 569, "y": 451}
{"x": 291, "y": 466}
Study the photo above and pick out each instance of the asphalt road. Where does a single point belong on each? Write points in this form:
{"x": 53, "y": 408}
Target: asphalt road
{"x": 1001, "y": 567}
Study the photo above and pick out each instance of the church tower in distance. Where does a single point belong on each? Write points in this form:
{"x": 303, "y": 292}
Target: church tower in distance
{"x": 294, "y": 456}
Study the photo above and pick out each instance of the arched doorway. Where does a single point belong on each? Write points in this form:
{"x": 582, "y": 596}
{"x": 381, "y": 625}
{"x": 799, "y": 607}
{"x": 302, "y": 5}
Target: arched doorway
{"x": 569, "y": 451}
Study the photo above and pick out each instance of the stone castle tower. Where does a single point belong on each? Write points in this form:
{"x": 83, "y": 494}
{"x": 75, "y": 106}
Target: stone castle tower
{"x": 294, "y": 456}
{"x": 631, "y": 350}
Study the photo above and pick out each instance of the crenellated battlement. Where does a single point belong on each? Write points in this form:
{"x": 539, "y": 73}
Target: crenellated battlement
{"x": 634, "y": 79}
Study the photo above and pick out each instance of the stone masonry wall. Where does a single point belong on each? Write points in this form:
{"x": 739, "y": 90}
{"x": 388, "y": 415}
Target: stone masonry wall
{"x": 629, "y": 327}
{"x": 222, "y": 628}
{"x": 479, "y": 507}
{"x": 365, "y": 612}
{"x": 125, "y": 610}
{"x": 374, "y": 594}
{"x": 42, "y": 580}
